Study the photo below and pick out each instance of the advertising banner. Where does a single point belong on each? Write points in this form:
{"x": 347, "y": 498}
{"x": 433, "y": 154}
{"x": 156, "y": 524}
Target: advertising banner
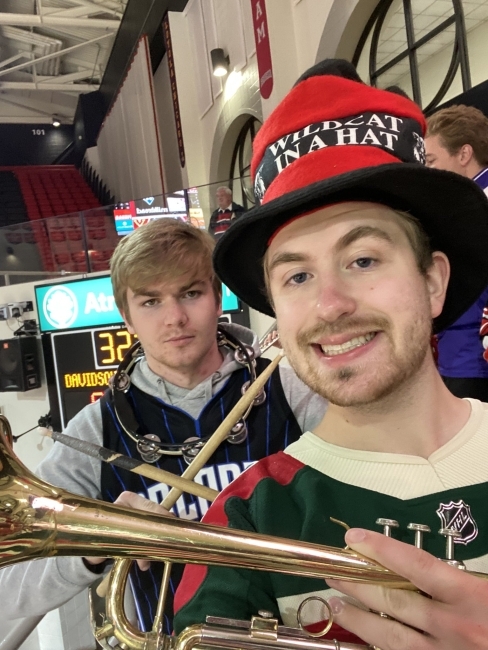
{"x": 263, "y": 50}
{"x": 90, "y": 303}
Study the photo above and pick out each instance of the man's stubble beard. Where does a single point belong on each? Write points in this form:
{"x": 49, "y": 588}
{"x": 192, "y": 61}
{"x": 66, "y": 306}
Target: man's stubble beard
{"x": 388, "y": 379}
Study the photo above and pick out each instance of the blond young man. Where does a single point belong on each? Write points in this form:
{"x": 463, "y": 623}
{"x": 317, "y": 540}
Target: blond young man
{"x": 363, "y": 255}
{"x": 182, "y": 388}
{"x": 457, "y": 141}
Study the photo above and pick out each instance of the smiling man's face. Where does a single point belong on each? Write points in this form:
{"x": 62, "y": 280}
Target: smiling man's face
{"x": 354, "y": 312}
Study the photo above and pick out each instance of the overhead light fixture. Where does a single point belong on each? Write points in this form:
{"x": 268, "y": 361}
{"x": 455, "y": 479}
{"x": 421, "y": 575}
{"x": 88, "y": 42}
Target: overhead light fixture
{"x": 220, "y": 62}
{"x": 56, "y": 121}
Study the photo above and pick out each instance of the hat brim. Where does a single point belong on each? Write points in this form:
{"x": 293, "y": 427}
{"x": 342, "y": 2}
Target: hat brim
{"x": 452, "y": 209}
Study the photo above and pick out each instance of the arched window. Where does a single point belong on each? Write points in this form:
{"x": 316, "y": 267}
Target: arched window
{"x": 240, "y": 166}
{"x": 419, "y": 46}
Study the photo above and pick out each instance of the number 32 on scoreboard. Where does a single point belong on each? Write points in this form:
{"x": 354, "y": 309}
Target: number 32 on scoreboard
{"x": 111, "y": 346}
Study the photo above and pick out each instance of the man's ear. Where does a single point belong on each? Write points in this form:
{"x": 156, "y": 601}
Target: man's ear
{"x": 127, "y": 322}
{"x": 437, "y": 278}
{"x": 465, "y": 154}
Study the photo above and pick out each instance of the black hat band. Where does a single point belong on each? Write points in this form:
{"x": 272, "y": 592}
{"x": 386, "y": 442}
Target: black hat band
{"x": 400, "y": 137}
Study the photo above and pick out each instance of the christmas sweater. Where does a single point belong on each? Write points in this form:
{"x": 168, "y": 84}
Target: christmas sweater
{"x": 295, "y": 493}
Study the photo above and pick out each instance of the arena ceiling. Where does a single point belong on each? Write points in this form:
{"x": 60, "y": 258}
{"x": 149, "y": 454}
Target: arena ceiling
{"x": 50, "y": 52}
{"x": 53, "y": 50}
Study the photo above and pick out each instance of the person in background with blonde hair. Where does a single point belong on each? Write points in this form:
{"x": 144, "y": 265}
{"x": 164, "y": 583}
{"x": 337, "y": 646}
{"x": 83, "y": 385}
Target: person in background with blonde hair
{"x": 180, "y": 390}
{"x": 457, "y": 141}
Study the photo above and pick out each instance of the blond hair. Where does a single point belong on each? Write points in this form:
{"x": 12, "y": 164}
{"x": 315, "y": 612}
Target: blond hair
{"x": 161, "y": 250}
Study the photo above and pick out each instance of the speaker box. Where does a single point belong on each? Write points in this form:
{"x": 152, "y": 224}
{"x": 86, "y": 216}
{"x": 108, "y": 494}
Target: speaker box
{"x": 19, "y": 364}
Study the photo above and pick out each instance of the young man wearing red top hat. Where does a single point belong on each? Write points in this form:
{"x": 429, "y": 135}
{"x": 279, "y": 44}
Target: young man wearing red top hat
{"x": 357, "y": 249}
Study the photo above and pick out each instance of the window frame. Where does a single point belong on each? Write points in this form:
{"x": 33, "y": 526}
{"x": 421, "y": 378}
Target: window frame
{"x": 249, "y": 127}
{"x": 459, "y": 58}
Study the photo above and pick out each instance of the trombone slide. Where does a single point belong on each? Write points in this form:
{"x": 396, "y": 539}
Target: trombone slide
{"x": 38, "y": 520}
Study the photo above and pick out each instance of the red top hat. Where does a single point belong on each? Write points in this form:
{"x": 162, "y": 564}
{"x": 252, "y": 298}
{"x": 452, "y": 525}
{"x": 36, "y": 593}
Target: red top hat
{"x": 334, "y": 139}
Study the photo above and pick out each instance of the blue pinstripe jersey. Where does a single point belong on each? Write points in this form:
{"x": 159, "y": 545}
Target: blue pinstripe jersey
{"x": 272, "y": 426}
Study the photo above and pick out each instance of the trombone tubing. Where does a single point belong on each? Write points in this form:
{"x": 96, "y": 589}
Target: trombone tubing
{"x": 38, "y": 520}
{"x": 133, "y": 465}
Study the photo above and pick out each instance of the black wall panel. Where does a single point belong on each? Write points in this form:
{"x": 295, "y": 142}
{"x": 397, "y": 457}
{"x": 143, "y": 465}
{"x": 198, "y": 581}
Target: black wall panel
{"x": 33, "y": 144}
{"x": 476, "y": 96}
{"x": 88, "y": 120}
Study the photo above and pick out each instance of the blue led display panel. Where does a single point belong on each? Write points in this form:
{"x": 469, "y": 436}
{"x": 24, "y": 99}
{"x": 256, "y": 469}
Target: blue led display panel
{"x": 79, "y": 304}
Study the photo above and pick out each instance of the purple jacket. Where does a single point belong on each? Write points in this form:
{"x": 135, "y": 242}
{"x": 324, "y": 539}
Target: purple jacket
{"x": 460, "y": 347}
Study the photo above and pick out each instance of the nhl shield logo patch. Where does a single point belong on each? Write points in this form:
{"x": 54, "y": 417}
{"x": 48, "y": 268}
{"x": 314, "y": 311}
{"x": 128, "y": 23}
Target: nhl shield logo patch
{"x": 457, "y": 515}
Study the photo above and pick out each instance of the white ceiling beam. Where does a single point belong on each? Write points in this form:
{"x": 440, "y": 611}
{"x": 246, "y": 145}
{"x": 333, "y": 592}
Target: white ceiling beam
{"x": 16, "y": 57}
{"x": 65, "y": 88}
{"x": 80, "y": 11}
{"x": 65, "y": 101}
{"x": 30, "y": 20}
{"x": 28, "y": 37}
{"x": 106, "y": 5}
{"x": 19, "y": 117}
{"x": 54, "y": 55}
{"x": 74, "y": 12}
{"x": 64, "y": 78}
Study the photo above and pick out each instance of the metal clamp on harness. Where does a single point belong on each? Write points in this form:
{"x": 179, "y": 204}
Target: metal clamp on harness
{"x": 149, "y": 445}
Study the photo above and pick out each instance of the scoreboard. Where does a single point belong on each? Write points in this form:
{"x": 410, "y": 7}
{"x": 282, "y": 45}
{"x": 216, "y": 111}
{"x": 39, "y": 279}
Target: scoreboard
{"x": 83, "y": 361}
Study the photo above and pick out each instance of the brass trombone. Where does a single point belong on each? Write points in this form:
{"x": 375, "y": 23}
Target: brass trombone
{"x": 39, "y": 520}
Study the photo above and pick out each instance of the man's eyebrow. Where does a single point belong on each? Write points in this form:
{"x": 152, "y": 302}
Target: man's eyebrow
{"x": 155, "y": 293}
{"x": 191, "y": 285}
{"x": 360, "y": 232}
{"x": 149, "y": 293}
{"x": 285, "y": 258}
